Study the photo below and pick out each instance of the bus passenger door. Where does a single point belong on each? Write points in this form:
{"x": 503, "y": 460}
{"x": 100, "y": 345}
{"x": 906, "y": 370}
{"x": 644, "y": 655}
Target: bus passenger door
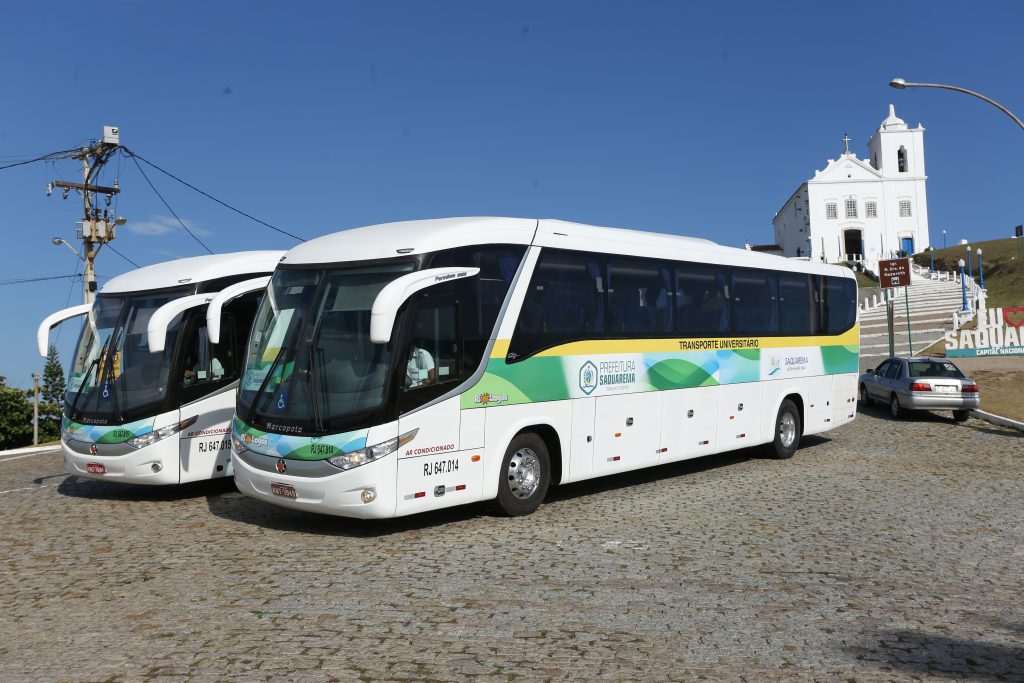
{"x": 688, "y": 423}
{"x": 739, "y": 414}
{"x": 627, "y": 432}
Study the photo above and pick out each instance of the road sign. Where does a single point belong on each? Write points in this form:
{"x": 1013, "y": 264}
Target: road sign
{"x": 1019, "y": 231}
{"x": 894, "y": 273}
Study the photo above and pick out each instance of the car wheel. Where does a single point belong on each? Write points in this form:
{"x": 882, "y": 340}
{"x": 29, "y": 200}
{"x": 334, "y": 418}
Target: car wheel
{"x": 865, "y": 397}
{"x": 524, "y": 476}
{"x": 961, "y": 415}
{"x": 787, "y": 431}
{"x": 895, "y": 409}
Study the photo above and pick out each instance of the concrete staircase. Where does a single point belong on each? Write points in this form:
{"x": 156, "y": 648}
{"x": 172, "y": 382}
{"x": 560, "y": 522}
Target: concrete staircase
{"x": 932, "y": 304}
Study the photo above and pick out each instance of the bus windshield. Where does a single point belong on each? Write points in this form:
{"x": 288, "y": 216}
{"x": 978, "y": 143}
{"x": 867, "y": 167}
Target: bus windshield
{"x": 113, "y": 377}
{"x": 310, "y": 362}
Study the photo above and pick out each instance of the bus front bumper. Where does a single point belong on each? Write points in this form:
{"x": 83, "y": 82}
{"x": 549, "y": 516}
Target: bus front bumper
{"x": 342, "y": 494}
{"x": 153, "y": 464}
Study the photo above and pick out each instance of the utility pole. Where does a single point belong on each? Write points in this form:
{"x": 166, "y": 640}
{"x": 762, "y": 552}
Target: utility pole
{"x": 35, "y": 404}
{"x": 97, "y": 226}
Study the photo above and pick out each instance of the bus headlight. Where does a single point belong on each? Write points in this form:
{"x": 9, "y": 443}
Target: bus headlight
{"x": 347, "y": 461}
{"x": 160, "y": 434}
{"x": 237, "y": 445}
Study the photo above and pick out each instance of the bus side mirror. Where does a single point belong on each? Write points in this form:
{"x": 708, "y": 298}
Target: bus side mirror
{"x": 395, "y": 293}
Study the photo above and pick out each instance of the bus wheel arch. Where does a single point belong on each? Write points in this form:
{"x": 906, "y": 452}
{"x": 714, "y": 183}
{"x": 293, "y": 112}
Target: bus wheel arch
{"x": 787, "y": 428}
{"x": 524, "y": 476}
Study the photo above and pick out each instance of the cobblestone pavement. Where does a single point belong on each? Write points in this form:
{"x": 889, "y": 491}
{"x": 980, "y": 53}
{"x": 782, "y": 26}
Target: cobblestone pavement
{"x": 884, "y": 550}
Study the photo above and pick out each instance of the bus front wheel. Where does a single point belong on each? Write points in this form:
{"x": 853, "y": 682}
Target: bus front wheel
{"x": 787, "y": 431}
{"x": 525, "y": 475}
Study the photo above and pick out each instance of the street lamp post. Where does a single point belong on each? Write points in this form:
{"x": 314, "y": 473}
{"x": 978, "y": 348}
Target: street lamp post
{"x": 970, "y": 263}
{"x": 943, "y": 239}
{"x": 963, "y": 287}
{"x": 57, "y": 241}
{"x": 981, "y": 269}
{"x": 901, "y": 84}
{"x": 931, "y": 250}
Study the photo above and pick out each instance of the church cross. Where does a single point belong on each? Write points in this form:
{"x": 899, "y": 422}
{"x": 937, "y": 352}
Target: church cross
{"x": 846, "y": 139}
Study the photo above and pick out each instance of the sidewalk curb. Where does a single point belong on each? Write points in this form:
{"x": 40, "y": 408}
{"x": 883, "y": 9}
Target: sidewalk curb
{"x": 998, "y": 420}
{"x": 31, "y": 449}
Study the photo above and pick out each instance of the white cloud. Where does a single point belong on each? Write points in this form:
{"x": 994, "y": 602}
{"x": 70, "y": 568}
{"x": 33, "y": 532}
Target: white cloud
{"x": 161, "y": 225}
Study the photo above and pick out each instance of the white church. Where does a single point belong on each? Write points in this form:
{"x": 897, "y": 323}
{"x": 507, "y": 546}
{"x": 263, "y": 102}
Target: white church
{"x": 861, "y": 209}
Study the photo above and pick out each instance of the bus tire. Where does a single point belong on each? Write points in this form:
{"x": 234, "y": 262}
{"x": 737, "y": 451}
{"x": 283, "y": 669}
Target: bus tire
{"x": 524, "y": 477}
{"x": 787, "y": 431}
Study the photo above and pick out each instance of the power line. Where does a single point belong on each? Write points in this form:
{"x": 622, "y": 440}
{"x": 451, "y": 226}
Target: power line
{"x": 180, "y": 222}
{"x": 133, "y": 155}
{"x": 37, "y": 279}
{"x": 123, "y": 256}
{"x": 45, "y": 157}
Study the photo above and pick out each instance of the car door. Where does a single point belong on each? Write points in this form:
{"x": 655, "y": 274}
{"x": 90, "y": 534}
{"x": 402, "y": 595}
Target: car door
{"x": 876, "y": 385}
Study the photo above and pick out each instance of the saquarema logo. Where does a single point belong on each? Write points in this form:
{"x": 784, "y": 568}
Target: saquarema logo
{"x": 588, "y": 378}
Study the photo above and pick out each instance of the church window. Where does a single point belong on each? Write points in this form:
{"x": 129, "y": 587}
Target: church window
{"x": 901, "y": 159}
{"x": 871, "y": 209}
{"x": 904, "y": 208}
{"x": 851, "y": 208}
{"x": 831, "y": 211}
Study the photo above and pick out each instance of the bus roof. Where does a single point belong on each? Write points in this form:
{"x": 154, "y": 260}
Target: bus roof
{"x": 387, "y": 240}
{"x": 191, "y": 270}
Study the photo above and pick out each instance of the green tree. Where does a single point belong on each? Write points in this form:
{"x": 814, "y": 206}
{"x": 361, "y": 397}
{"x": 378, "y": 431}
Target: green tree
{"x": 53, "y": 378}
{"x": 15, "y": 417}
{"x": 51, "y": 397}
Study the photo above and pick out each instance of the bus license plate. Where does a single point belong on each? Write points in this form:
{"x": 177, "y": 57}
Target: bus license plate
{"x": 95, "y": 468}
{"x": 283, "y": 490}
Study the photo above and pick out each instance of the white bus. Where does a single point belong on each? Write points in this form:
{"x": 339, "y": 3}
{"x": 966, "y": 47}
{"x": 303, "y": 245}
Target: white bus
{"x": 151, "y": 388}
{"x": 410, "y": 366}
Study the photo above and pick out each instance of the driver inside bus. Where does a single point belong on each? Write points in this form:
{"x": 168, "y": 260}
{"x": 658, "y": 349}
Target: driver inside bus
{"x": 197, "y": 372}
{"x": 419, "y": 371}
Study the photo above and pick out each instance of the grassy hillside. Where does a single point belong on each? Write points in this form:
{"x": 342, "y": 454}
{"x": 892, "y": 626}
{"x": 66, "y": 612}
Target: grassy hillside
{"x": 1004, "y": 268}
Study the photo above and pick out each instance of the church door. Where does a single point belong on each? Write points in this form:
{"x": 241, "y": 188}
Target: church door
{"x": 852, "y": 244}
{"x": 907, "y": 246}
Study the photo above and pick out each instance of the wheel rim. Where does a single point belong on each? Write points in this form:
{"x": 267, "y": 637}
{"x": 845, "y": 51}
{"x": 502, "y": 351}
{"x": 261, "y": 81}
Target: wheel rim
{"x": 523, "y": 473}
{"x": 787, "y": 429}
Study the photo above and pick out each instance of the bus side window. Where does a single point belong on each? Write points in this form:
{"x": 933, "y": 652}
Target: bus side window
{"x": 754, "y": 298}
{"x": 795, "y": 305}
{"x": 205, "y": 363}
{"x": 565, "y": 302}
{"x": 839, "y": 305}
{"x": 639, "y": 298}
{"x": 702, "y": 308}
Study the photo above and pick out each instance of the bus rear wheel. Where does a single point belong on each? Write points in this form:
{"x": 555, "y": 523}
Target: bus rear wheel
{"x": 524, "y": 476}
{"x": 787, "y": 431}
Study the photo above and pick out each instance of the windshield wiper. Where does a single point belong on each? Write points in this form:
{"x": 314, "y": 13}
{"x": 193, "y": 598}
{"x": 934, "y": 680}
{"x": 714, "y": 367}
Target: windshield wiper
{"x": 263, "y": 385}
{"x": 311, "y": 371}
{"x": 85, "y": 378}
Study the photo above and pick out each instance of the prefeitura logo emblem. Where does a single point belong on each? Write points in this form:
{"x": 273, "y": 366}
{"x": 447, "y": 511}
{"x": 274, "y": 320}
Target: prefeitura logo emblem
{"x": 588, "y": 378}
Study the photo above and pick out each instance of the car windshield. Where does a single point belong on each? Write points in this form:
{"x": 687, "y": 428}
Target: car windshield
{"x": 934, "y": 369}
{"x": 113, "y": 376}
{"x": 310, "y": 361}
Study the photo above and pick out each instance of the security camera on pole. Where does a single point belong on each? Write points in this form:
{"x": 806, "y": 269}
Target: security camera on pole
{"x": 97, "y": 226}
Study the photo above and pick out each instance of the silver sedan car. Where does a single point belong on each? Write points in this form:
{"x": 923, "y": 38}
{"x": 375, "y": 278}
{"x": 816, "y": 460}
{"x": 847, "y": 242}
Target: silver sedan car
{"x": 920, "y": 384}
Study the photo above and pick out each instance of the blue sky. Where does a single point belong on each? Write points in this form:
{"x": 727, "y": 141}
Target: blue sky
{"x": 691, "y": 118}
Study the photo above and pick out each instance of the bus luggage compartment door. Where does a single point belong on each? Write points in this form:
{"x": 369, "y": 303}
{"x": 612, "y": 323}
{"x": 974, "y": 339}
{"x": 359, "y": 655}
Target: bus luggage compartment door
{"x": 627, "y": 431}
{"x": 688, "y": 423}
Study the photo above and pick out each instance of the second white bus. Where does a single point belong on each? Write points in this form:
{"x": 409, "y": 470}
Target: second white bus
{"x": 410, "y": 366}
